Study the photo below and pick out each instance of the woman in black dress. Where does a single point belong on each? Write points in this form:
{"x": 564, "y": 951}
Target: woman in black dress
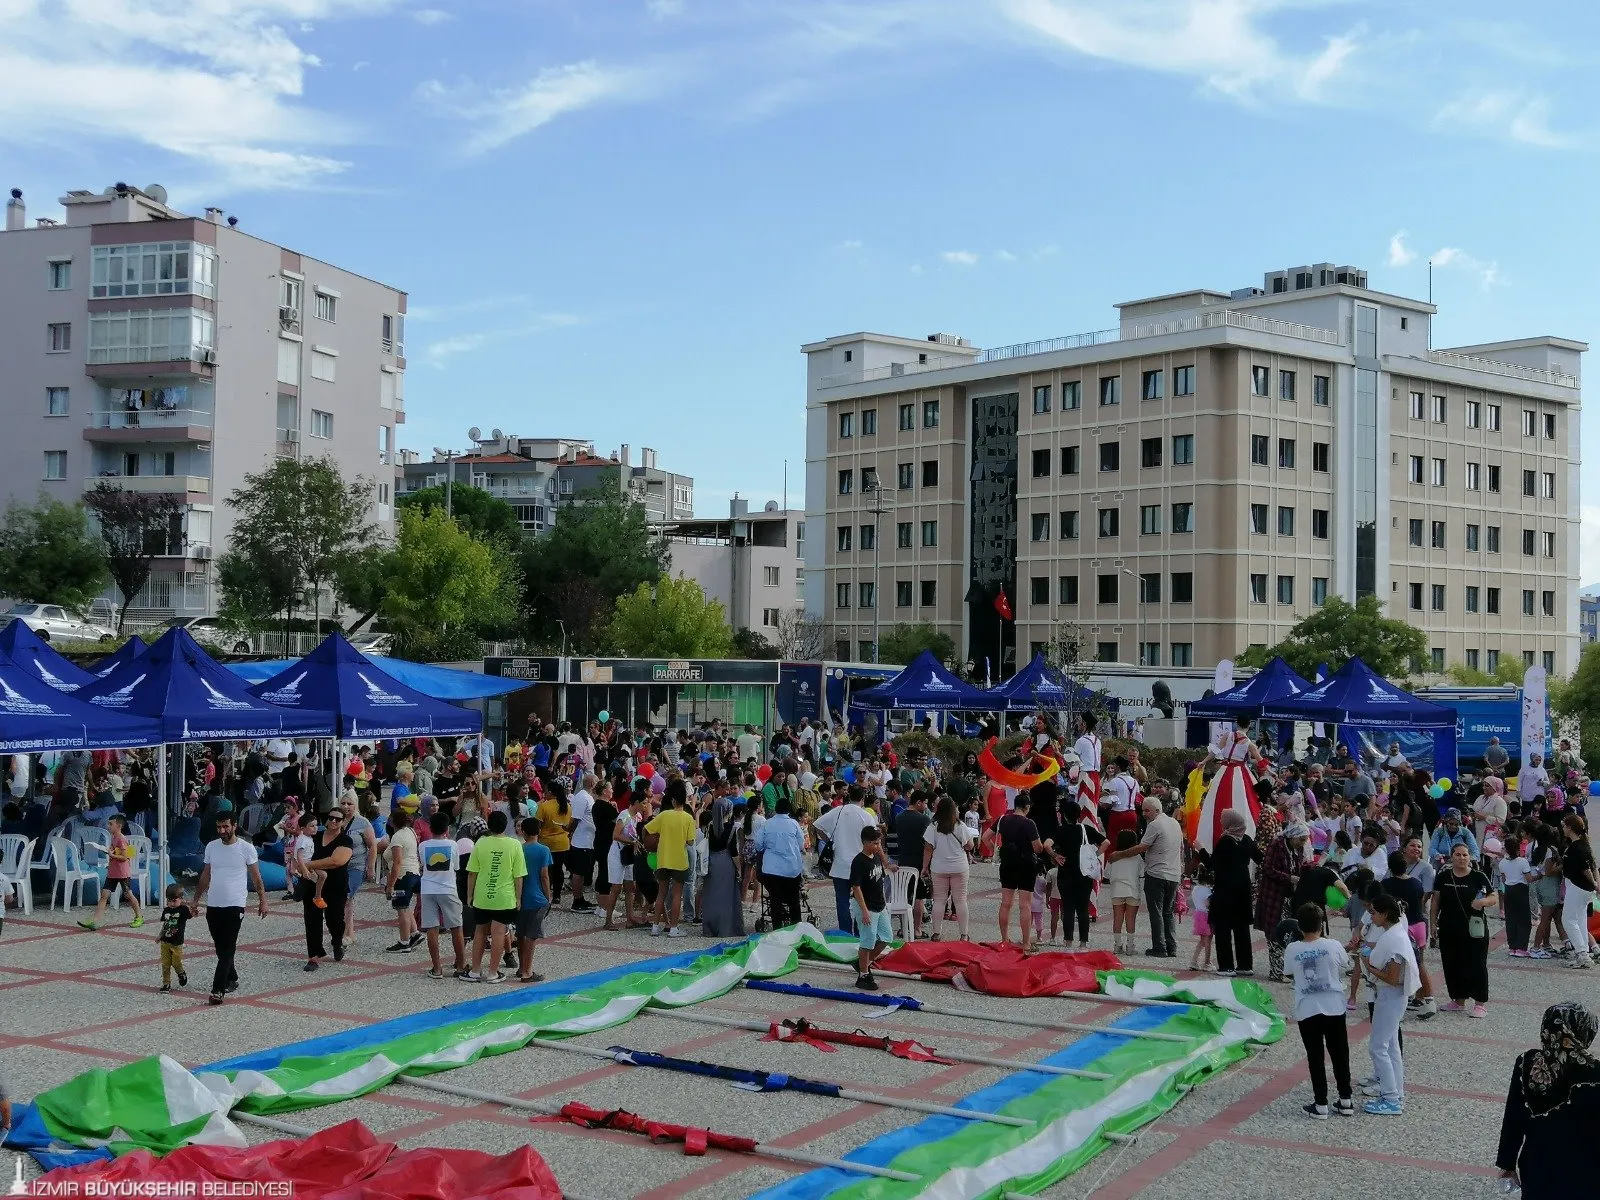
{"x": 1463, "y": 898}
{"x": 1076, "y": 887}
{"x": 1553, "y": 1108}
{"x": 1232, "y": 900}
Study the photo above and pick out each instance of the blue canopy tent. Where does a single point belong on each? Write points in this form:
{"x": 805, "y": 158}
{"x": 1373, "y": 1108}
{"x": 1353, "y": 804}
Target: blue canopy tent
{"x": 38, "y": 658}
{"x": 437, "y": 683}
{"x": 1039, "y": 685}
{"x": 193, "y": 698}
{"x": 1358, "y": 697}
{"x": 927, "y": 685}
{"x": 366, "y": 702}
{"x": 35, "y": 717}
{"x": 1275, "y": 681}
{"x": 128, "y": 651}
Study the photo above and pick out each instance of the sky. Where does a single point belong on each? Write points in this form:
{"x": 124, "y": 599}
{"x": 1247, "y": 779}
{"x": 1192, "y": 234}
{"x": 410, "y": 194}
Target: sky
{"x": 620, "y": 219}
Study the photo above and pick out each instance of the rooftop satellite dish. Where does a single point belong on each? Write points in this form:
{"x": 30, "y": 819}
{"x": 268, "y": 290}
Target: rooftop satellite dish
{"x": 110, "y": 191}
{"x": 157, "y": 193}
{"x": 770, "y": 506}
{"x": 496, "y": 434}
{"x": 474, "y": 433}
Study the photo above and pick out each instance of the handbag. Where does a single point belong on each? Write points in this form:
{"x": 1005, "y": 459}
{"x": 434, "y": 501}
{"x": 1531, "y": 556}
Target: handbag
{"x": 1090, "y": 865}
{"x": 1477, "y": 923}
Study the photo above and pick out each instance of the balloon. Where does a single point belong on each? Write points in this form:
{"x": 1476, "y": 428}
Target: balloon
{"x": 763, "y": 773}
{"x": 1335, "y": 899}
{"x": 1436, "y": 791}
{"x": 848, "y": 774}
{"x": 658, "y": 784}
{"x": 1444, "y": 782}
{"x": 650, "y": 860}
{"x": 604, "y": 716}
{"x": 706, "y": 756}
{"x": 1594, "y": 787}
{"x": 647, "y": 769}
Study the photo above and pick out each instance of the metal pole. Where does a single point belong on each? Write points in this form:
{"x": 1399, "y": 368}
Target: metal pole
{"x": 163, "y": 858}
{"x": 449, "y": 482}
{"x": 844, "y": 1093}
{"x": 297, "y": 1131}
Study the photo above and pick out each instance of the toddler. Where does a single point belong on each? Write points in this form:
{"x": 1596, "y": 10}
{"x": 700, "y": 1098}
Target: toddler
{"x": 302, "y": 850}
{"x": 1126, "y": 880}
{"x": 174, "y": 918}
{"x": 1041, "y": 899}
{"x": 1200, "y": 900}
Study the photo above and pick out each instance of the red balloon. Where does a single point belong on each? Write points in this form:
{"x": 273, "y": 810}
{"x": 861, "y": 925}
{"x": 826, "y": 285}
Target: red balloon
{"x": 763, "y": 773}
{"x": 648, "y": 770}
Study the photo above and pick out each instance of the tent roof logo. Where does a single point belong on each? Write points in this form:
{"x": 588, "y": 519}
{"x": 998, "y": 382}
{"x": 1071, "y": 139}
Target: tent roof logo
{"x": 120, "y": 698}
{"x": 377, "y": 695}
{"x": 218, "y": 700}
{"x": 13, "y": 701}
{"x": 289, "y": 693}
{"x": 50, "y": 677}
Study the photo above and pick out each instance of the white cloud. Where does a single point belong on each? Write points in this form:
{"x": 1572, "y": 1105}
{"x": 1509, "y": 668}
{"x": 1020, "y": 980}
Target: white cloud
{"x": 504, "y": 116}
{"x": 664, "y": 9}
{"x": 438, "y": 354}
{"x": 1005, "y": 256}
{"x": 431, "y": 16}
{"x": 1453, "y": 257}
{"x": 1400, "y": 255}
{"x": 850, "y": 244}
{"x": 960, "y": 258}
{"x": 1508, "y": 115}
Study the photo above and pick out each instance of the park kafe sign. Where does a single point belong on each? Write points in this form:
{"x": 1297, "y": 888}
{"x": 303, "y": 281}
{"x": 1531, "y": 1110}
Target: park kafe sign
{"x": 534, "y": 670}
{"x": 677, "y": 672}
{"x": 674, "y": 671}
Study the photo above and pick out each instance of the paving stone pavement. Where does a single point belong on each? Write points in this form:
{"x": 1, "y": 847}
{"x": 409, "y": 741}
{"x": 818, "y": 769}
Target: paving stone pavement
{"x": 71, "y": 1000}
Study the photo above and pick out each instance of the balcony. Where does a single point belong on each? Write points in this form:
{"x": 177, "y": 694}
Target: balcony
{"x": 288, "y": 443}
{"x": 149, "y": 425}
{"x": 193, "y": 485}
{"x": 1493, "y": 366}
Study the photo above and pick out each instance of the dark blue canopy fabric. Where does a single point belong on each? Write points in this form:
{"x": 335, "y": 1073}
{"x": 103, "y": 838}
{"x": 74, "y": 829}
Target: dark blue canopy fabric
{"x": 127, "y": 652}
{"x": 1039, "y": 685}
{"x": 38, "y": 658}
{"x": 194, "y": 698}
{"x": 1275, "y": 681}
{"x": 35, "y": 717}
{"x": 367, "y": 702}
{"x": 437, "y": 683}
{"x": 1357, "y": 696}
{"x": 927, "y": 685}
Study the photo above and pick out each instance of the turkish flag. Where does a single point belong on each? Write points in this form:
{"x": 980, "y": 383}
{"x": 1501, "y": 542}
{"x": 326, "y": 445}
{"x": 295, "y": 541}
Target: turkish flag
{"x": 1002, "y": 605}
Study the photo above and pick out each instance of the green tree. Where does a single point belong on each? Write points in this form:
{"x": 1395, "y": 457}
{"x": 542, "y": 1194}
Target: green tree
{"x": 599, "y": 548}
{"x": 362, "y": 581}
{"x": 444, "y": 587}
{"x": 1507, "y": 670}
{"x": 1578, "y": 699}
{"x": 136, "y": 527}
{"x": 670, "y": 618}
{"x": 481, "y": 514}
{"x": 902, "y": 643}
{"x": 747, "y": 643}
{"x": 1339, "y": 631}
{"x": 258, "y": 587}
{"x": 49, "y": 555}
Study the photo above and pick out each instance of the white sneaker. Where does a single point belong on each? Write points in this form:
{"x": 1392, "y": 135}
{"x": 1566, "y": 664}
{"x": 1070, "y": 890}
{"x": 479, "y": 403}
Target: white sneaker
{"x": 676, "y": 932}
{"x": 656, "y": 930}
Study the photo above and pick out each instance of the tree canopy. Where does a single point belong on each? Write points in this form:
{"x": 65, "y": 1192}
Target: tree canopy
{"x": 444, "y": 587}
{"x": 135, "y": 528}
{"x": 49, "y": 555}
{"x": 670, "y": 619}
{"x": 902, "y": 643}
{"x": 481, "y": 514}
{"x": 1339, "y": 631}
{"x": 1578, "y": 698}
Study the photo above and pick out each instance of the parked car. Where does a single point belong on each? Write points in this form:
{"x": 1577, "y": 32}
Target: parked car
{"x": 373, "y": 642}
{"x": 212, "y": 631}
{"x": 52, "y": 622}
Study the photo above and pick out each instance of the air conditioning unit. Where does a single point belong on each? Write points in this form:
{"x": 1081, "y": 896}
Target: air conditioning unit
{"x": 288, "y": 315}
{"x": 208, "y": 358}
{"x": 200, "y": 553}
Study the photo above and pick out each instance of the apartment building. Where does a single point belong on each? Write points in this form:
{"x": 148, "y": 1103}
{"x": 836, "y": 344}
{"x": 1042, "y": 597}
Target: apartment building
{"x": 170, "y": 353}
{"x": 1199, "y": 478}
{"x": 538, "y": 476}
{"x": 753, "y": 562}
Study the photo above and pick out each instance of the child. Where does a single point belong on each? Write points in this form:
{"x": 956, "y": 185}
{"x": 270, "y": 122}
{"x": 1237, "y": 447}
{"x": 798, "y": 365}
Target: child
{"x": 1041, "y": 900}
{"x": 1511, "y": 880}
{"x": 300, "y": 853}
{"x": 867, "y": 906}
{"x": 1316, "y": 964}
{"x": 1363, "y": 938}
{"x": 1392, "y": 964}
{"x": 1200, "y": 901}
{"x": 1125, "y": 877}
{"x": 174, "y": 918}
{"x": 1053, "y": 898}
{"x": 119, "y": 874}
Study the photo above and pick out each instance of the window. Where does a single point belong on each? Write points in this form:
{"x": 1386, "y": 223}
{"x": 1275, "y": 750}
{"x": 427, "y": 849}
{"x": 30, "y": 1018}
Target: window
{"x": 327, "y": 307}
{"x": 321, "y": 424}
{"x": 1472, "y": 537}
{"x": 1527, "y": 602}
{"x": 1414, "y": 596}
{"x": 1436, "y": 535}
{"x": 1069, "y": 589}
{"x": 1472, "y": 476}
{"x": 1319, "y": 456}
{"x": 1319, "y": 523}
{"x": 1527, "y": 658}
{"x": 1069, "y": 460}
{"x": 1110, "y": 390}
{"x": 868, "y": 593}
{"x": 1491, "y": 661}
{"x": 869, "y": 422}
{"x": 1319, "y": 390}
{"x": 1414, "y": 468}
{"x": 1110, "y": 522}
{"x": 1149, "y": 654}
{"x": 905, "y": 475}
{"x": 1106, "y": 588}
{"x": 1150, "y": 452}
{"x": 1286, "y": 453}
{"x": 1069, "y": 524}
{"x": 1416, "y": 406}
{"x": 930, "y": 533}
{"x": 1492, "y": 539}
{"x": 869, "y": 479}
{"x": 61, "y": 275}
{"x": 1039, "y": 589}
{"x": 60, "y": 336}
{"x": 1414, "y": 531}
{"x": 1110, "y": 456}
{"x": 908, "y": 416}
{"x": 846, "y": 538}
{"x": 930, "y": 414}
{"x": 930, "y": 593}
{"x": 1285, "y": 385}
{"x": 1436, "y": 597}
{"x": 1491, "y": 417}
{"x": 1547, "y": 485}
{"x": 849, "y": 354}
{"x": 841, "y": 598}
{"x": 869, "y": 537}
{"x": 1548, "y": 540}
{"x": 770, "y": 618}
{"x": 1474, "y": 414}
{"x": 1041, "y": 463}
{"x": 1529, "y": 482}
{"x": 1285, "y": 520}
{"x": 1150, "y": 385}
{"x": 56, "y": 401}
{"x": 1285, "y": 589}
{"x": 1260, "y": 381}
{"x": 1528, "y": 542}
{"x": 1319, "y": 590}
{"x": 1436, "y": 658}
{"x": 1260, "y": 447}
{"x": 1183, "y": 518}
{"x": 1258, "y": 518}
{"x": 1183, "y": 381}
{"x": 324, "y": 366}
{"x": 1041, "y": 398}
{"x": 847, "y": 425}
{"x": 152, "y": 269}
{"x": 1472, "y": 660}
{"x": 1150, "y": 588}
{"x": 771, "y": 576}
{"x": 1183, "y": 450}
{"x": 847, "y": 480}
{"x": 1071, "y": 396}
{"x": 1436, "y": 409}
{"x": 864, "y": 650}
{"x": 55, "y": 464}
{"x": 1258, "y": 589}
{"x": 1548, "y": 657}
{"x": 1472, "y": 598}
{"x": 1494, "y": 478}
{"x": 1530, "y": 423}
{"x": 1183, "y": 587}
{"x": 902, "y": 593}
{"x": 1548, "y": 421}
{"x": 1149, "y": 518}
{"x": 1041, "y": 527}
{"x": 1105, "y": 651}
{"x": 1437, "y": 472}
{"x": 902, "y": 535}
{"x": 1183, "y": 654}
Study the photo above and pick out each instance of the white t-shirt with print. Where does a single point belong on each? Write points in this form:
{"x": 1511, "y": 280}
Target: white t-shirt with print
{"x": 1318, "y": 969}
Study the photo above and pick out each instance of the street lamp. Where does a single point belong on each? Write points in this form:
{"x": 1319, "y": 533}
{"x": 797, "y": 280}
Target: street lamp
{"x": 882, "y": 502}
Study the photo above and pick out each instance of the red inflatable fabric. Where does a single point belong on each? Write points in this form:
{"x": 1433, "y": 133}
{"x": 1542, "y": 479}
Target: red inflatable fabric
{"x": 803, "y": 1030}
{"x": 345, "y": 1162}
{"x": 696, "y": 1141}
{"x": 1001, "y": 970}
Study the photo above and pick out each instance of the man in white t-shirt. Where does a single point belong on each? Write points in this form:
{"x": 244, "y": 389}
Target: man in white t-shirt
{"x": 229, "y": 873}
{"x": 877, "y": 778}
{"x": 440, "y": 859}
{"x": 806, "y": 738}
{"x": 277, "y": 751}
{"x": 749, "y": 744}
{"x": 580, "y": 858}
{"x": 842, "y": 827}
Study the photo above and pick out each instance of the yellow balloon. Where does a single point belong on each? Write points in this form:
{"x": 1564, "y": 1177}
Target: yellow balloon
{"x": 1445, "y": 783}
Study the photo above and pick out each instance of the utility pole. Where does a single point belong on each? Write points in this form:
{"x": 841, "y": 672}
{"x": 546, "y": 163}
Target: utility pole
{"x": 1138, "y": 617}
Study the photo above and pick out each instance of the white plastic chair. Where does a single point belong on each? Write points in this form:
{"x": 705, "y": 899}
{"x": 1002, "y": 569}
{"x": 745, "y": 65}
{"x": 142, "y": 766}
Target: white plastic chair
{"x": 96, "y": 847}
{"x": 16, "y": 863}
{"x": 141, "y": 870}
{"x": 899, "y": 907}
{"x": 70, "y": 874}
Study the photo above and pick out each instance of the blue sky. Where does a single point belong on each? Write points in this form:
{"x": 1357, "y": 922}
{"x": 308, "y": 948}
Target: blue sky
{"x": 619, "y": 219}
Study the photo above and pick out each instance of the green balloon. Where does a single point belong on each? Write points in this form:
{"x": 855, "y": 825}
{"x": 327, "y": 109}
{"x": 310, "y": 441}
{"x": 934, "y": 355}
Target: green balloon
{"x": 650, "y": 860}
{"x": 1335, "y": 899}
{"x": 604, "y": 716}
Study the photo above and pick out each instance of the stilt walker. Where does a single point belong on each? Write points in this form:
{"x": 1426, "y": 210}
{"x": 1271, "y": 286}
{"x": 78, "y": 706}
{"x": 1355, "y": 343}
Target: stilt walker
{"x": 1231, "y": 788}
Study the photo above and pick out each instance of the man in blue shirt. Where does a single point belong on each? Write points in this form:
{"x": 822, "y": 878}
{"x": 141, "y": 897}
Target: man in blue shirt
{"x": 535, "y": 899}
{"x": 1450, "y": 834}
{"x": 782, "y": 846}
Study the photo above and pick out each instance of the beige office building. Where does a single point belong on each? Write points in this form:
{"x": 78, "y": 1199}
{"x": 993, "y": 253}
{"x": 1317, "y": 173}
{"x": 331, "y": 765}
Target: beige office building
{"x": 1198, "y": 479}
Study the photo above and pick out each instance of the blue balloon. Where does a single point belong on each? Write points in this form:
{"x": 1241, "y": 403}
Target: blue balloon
{"x": 1436, "y": 791}
{"x": 848, "y": 774}
{"x": 1594, "y": 787}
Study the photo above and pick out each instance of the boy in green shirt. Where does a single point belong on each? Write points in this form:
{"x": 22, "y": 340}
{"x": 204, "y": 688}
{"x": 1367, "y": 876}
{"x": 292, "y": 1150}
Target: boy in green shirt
{"x": 494, "y": 878}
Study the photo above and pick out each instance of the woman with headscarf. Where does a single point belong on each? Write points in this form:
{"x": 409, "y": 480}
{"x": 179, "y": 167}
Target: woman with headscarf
{"x": 721, "y": 912}
{"x": 1553, "y": 1108}
{"x": 1280, "y": 872}
{"x": 1231, "y": 897}
{"x": 1489, "y": 810}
